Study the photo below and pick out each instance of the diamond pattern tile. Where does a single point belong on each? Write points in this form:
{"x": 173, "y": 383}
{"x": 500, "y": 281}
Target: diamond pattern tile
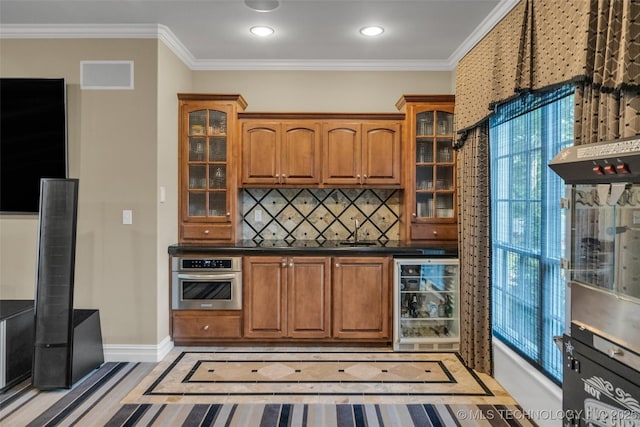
{"x": 320, "y": 214}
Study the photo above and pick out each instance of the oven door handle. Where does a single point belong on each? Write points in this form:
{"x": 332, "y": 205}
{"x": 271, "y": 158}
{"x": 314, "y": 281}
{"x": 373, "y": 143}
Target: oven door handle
{"x": 208, "y": 276}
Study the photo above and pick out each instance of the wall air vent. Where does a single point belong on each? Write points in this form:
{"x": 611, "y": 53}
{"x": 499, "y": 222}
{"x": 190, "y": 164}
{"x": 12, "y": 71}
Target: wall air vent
{"x": 106, "y": 75}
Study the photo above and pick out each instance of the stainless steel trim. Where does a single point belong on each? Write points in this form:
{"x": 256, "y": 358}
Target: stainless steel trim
{"x": 606, "y": 314}
{"x": 236, "y": 263}
{"x": 208, "y": 276}
{"x": 615, "y": 352}
{"x": 235, "y": 303}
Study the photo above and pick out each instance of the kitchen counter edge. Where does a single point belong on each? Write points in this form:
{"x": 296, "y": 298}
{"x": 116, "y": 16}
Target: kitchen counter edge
{"x": 397, "y": 249}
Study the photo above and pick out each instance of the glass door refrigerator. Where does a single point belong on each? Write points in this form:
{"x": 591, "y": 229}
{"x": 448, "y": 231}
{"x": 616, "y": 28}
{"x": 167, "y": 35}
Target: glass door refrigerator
{"x": 426, "y": 304}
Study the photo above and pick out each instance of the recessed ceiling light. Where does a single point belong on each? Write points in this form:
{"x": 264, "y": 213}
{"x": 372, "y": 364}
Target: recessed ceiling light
{"x": 261, "y": 31}
{"x": 262, "y": 5}
{"x": 371, "y": 31}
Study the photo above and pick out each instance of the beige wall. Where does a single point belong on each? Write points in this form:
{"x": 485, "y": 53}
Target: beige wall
{"x": 173, "y": 77}
{"x": 323, "y": 91}
{"x": 113, "y": 151}
{"x": 123, "y": 148}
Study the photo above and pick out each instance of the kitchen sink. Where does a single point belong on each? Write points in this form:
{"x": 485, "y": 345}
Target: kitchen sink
{"x": 361, "y": 243}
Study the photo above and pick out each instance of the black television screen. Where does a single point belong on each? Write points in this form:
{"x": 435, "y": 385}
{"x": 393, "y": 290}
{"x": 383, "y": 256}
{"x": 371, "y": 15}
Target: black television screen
{"x": 33, "y": 141}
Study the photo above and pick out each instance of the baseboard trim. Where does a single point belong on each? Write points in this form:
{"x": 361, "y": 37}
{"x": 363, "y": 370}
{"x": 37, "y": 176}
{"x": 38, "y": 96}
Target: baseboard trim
{"x": 530, "y": 388}
{"x": 137, "y": 353}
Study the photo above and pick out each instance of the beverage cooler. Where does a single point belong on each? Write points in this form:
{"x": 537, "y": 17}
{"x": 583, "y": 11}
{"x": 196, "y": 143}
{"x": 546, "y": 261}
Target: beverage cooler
{"x": 601, "y": 345}
{"x": 426, "y": 304}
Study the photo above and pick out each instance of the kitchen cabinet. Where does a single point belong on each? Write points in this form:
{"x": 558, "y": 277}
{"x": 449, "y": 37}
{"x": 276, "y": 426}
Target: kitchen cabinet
{"x": 361, "y": 298}
{"x": 203, "y": 326}
{"x": 278, "y": 153}
{"x": 362, "y": 153}
{"x": 426, "y": 304}
{"x": 287, "y": 297}
{"x": 207, "y": 182}
{"x": 430, "y": 201}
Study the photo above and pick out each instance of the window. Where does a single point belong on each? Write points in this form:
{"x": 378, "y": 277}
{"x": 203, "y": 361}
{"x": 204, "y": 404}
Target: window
{"x": 528, "y": 226}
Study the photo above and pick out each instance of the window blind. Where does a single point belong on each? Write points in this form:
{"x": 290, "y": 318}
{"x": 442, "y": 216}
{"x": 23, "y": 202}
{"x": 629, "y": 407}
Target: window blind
{"x": 528, "y": 225}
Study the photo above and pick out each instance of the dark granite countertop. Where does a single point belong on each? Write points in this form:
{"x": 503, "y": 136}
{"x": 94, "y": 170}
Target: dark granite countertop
{"x": 313, "y": 247}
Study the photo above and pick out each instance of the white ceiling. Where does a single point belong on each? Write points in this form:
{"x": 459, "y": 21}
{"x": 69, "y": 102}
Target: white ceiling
{"x": 309, "y": 34}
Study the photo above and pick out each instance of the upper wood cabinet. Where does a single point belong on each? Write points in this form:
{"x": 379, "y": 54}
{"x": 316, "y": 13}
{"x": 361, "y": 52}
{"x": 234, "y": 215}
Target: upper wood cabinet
{"x": 279, "y": 153}
{"x": 430, "y": 201}
{"x": 361, "y": 153}
{"x": 207, "y": 180}
{"x": 321, "y": 150}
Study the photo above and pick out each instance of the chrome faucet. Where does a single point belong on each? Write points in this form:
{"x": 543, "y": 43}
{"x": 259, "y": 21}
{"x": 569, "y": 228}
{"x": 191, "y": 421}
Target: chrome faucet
{"x": 355, "y": 231}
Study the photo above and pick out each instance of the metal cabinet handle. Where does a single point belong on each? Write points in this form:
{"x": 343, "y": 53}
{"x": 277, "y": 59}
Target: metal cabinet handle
{"x": 337, "y": 265}
{"x": 365, "y": 177}
{"x": 613, "y": 352}
{"x": 435, "y": 233}
{"x": 290, "y": 263}
{"x": 228, "y": 213}
{"x": 206, "y": 232}
{"x": 205, "y": 327}
{"x": 284, "y": 262}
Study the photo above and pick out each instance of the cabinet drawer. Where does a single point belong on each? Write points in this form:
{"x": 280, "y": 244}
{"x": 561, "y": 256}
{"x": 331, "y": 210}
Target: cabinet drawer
{"x": 207, "y": 326}
{"x": 207, "y": 231}
{"x": 434, "y": 232}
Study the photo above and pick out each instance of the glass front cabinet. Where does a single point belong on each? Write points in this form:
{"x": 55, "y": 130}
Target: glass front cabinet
{"x": 207, "y": 180}
{"x": 426, "y": 305}
{"x": 430, "y": 178}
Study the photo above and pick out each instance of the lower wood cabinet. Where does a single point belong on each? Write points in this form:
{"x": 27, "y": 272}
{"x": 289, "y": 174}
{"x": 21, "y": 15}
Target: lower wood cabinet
{"x": 317, "y": 298}
{"x": 361, "y": 298}
{"x": 287, "y": 297}
{"x": 306, "y": 298}
{"x": 202, "y": 326}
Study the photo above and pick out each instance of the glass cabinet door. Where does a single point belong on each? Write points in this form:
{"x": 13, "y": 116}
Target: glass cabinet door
{"x": 207, "y": 164}
{"x": 435, "y": 165}
{"x": 427, "y": 300}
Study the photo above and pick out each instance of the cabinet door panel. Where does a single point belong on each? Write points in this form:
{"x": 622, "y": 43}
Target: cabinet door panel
{"x": 361, "y": 298}
{"x": 264, "y": 279}
{"x": 381, "y": 153}
{"x": 203, "y": 324}
{"x": 301, "y": 153}
{"x": 342, "y": 153}
{"x": 207, "y": 180}
{"x": 309, "y": 294}
{"x": 260, "y": 153}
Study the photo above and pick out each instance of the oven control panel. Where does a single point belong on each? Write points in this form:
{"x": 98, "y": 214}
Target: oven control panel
{"x": 207, "y": 264}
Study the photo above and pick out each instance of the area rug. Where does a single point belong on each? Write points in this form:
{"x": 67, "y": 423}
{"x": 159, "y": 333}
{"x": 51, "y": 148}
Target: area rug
{"x": 352, "y": 377}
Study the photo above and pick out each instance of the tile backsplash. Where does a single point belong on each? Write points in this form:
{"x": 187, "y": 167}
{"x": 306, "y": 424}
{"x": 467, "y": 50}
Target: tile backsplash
{"x": 320, "y": 214}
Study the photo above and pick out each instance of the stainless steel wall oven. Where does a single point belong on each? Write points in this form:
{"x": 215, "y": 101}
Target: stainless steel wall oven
{"x": 199, "y": 283}
{"x": 601, "y": 351}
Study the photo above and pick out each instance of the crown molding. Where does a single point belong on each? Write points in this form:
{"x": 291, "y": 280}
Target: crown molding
{"x": 487, "y": 24}
{"x": 164, "y": 34}
{"x": 320, "y": 65}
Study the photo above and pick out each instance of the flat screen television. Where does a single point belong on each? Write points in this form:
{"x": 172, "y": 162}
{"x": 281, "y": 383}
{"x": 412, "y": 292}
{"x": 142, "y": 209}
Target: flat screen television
{"x": 33, "y": 140}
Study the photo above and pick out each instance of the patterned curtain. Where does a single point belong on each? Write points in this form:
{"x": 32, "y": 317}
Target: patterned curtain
{"x": 539, "y": 44}
{"x": 607, "y": 100}
{"x": 475, "y": 254}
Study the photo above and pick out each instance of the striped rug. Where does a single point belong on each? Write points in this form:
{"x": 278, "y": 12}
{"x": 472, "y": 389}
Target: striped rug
{"x": 96, "y": 401}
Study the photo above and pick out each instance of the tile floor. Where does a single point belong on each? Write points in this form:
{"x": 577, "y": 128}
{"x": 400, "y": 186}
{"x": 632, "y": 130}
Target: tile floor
{"x": 304, "y": 375}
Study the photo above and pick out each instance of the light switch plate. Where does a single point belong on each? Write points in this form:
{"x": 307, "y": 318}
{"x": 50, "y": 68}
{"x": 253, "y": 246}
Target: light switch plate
{"x": 257, "y": 215}
{"x": 127, "y": 217}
